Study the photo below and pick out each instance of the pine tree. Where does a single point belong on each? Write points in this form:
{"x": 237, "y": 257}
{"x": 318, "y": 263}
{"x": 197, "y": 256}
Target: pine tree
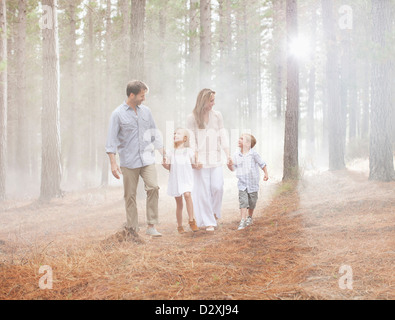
{"x": 3, "y": 99}
{"x": 291, "y": 164}
{"x": 50, "y": 165}
{"x": 381, "y": 161}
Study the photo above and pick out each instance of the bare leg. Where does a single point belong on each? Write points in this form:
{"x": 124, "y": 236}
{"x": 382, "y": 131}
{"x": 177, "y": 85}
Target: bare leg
{"x": 179, "y": 210}
{"x": 243, "y": 213}
{"x": 189, "y": 203}
{"x": 250, "y": 212}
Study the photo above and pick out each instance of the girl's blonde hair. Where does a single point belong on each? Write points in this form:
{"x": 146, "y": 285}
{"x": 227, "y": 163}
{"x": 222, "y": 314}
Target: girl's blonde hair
{"x": 202, "y": 100}
{"x": 185, "y": 132}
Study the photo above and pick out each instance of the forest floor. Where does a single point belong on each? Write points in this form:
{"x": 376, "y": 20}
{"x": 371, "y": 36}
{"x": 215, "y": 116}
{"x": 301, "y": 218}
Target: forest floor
{"x": 330, "y": 236}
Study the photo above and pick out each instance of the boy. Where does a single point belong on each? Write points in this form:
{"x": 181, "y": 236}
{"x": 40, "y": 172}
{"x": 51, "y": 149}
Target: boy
{"x": 247, "y": 163}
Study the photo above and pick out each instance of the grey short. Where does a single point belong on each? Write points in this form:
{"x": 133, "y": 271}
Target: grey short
{"x": 247, "y": 200}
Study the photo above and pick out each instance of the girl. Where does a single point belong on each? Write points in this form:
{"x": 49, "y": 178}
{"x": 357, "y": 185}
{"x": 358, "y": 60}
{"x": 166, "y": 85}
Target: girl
{"x": 180, "y": 163}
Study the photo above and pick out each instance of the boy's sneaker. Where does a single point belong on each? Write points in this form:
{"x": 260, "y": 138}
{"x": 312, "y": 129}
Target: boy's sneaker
{"x": 248, "y": 221}
{"x": 153, "y": 232}
{"x": 242, "y": 224}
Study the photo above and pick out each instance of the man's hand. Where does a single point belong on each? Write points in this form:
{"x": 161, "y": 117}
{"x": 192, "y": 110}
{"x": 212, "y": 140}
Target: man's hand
{"x": 116, "y": 171}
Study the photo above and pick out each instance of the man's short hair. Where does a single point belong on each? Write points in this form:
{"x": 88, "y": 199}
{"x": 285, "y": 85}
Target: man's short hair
{"x": 135, "y": 86}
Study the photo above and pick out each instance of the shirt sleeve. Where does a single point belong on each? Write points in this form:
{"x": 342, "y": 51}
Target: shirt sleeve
{"x": 112, "y": 136}
{"x": 259, "y": 160}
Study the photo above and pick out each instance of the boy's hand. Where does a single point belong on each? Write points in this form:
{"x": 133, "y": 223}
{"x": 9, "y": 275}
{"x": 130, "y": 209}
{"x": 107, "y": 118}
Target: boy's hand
{"x": 266, "y": 177}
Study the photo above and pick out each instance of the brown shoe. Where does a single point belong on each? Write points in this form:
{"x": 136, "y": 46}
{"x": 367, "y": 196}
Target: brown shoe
{"x": 193, "y": 226}
{"x": 180, "y": 229}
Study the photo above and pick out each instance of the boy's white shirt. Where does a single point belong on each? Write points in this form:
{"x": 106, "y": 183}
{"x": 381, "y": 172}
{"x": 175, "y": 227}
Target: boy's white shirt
{"x": 248, "y": 168}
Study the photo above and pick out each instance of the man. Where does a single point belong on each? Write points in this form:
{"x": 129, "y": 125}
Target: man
{"x": 133, "y": 133}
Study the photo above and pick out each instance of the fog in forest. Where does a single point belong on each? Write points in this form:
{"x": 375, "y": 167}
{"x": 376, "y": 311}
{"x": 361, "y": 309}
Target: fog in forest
{"x": 245, "y": 50}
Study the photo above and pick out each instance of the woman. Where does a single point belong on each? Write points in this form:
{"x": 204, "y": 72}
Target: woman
{"x": 208, "y": 138}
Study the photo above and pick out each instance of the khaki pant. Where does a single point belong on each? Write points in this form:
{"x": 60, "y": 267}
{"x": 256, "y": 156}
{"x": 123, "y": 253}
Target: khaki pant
{"x": 130, "y": 182}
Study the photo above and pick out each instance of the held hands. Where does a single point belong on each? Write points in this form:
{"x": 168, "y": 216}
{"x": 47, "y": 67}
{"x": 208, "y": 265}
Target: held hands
{"x": 197, "y": 166}
{"x": 165, "y": 164}
{"x": 230, "y": 164}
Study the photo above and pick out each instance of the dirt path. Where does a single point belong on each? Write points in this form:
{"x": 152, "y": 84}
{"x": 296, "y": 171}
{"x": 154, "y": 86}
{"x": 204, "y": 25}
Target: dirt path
{"x": 302, "y": 236}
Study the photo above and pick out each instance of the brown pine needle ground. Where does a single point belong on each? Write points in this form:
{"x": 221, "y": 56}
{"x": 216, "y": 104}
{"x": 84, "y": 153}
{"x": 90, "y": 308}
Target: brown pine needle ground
{"x": 294, "y": 250}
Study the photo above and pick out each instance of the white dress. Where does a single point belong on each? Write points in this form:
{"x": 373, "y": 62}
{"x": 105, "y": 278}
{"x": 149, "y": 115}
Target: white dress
{"x": 181, "y": 172}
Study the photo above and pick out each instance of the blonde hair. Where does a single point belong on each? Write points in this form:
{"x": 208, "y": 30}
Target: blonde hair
{"x": 186, "y": 135}
{"x": 252, "y": 139}
{"x": 202, "y": 100}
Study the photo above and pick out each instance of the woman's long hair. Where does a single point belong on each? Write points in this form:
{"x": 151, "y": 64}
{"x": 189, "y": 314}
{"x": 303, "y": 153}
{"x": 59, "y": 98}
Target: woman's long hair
{"x": 202, "y": 100}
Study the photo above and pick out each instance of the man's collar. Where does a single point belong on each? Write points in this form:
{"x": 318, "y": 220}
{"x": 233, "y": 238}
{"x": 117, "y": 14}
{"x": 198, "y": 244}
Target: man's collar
{"x": 126, "y": 106}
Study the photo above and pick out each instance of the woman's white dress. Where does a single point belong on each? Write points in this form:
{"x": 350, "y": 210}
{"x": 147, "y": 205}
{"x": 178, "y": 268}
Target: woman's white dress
{"x": 209, "y": 182}
{"x": 181, "y": 172}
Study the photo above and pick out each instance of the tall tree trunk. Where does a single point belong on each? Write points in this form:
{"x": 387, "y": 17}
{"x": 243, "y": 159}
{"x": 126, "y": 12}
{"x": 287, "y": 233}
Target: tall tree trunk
{"x": 107, "y": 98}
{"x": 192, "y": 75}
{"x": 205, "y": 43}
{"x": 291, "y": 163}
{"x": 51, "y": 163}
{"x": 335, "y": 114}
{"x": 137, "y": 29}
{"x": 94, "y": 99}
{"x": 73, "y": 160}
{"x": 125, "y": 38}
{"x": 311, "y": 98}
{"x": 279, "y": 56}
{"x": 365, "y": 101}
{"x": 23, "y": 147}
{"x": 3, "y": 99}
{"x": 381, "y": 159}
{"x": 353, "y": 101}
{"x": 12, "y": 110}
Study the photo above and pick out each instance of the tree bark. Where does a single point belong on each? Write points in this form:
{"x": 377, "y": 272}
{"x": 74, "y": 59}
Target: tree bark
{"x": 291, "y": 163}
{"x": 3, "y": 99}
{"x": 137, "y": 29}
{"x": 51, "y": 163}
{"x": 74, "y": 132}
{"x": 23, "y": 147}
{"x": 192, "y": 74}
{"x": 312, "y": 83}
{"x": 279, "y": 56}
{"x": 335, "y": 114}
{"x": 381, "y": 159}
{"x": 107, "y": 98}
{"x": 205, "y": 43}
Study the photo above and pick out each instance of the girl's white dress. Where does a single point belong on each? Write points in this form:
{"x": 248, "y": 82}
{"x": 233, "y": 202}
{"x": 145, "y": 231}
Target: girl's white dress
{"x": 181, "y": 172}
